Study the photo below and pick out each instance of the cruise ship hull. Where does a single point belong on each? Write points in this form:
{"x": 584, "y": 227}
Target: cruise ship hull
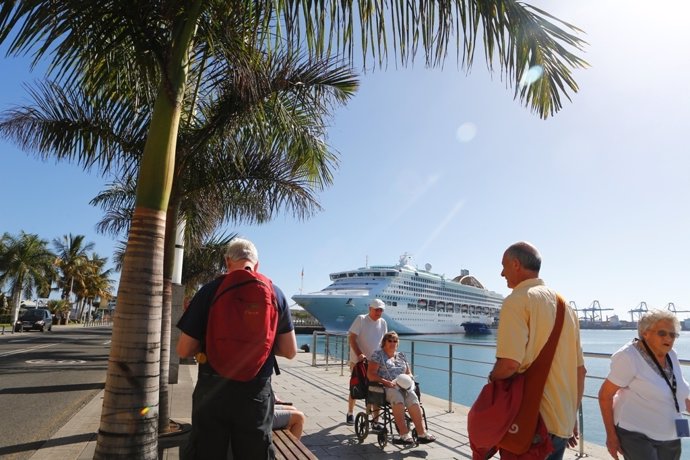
{"x": 417, "y": 301}
{"x": 335, "y": 314}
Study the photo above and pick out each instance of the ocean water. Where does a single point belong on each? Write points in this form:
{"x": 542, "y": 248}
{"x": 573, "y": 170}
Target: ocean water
{"x": 471, "y": 364}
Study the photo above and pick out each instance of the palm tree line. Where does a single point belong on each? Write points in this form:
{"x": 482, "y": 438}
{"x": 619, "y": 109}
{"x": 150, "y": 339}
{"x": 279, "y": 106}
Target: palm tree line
{"x": 29, "y": 268}
{"x": 173, "y": 78}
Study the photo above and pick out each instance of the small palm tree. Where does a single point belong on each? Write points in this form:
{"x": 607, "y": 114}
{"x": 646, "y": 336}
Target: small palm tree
{"x": 72, "y": 263}
{"x": 94, "y": 283}
{"x": 26, "y": 265}
{"x": 60, "y": 309}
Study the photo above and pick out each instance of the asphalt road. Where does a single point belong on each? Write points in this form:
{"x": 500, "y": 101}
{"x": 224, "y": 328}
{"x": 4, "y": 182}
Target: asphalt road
{"x": 45, "y": 378}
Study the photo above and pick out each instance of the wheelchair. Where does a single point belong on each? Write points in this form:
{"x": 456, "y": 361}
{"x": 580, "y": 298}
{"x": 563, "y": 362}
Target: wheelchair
{"x": 365, "y": 421}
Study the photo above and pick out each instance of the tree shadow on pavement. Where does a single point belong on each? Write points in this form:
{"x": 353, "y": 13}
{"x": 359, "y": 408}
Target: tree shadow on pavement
{"x": 35, "y": 445}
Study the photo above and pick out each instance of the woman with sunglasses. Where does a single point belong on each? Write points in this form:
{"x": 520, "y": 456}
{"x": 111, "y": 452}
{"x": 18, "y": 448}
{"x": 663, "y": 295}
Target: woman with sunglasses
{"x": 643, "y": 396}
{"x": 386, "y": 364}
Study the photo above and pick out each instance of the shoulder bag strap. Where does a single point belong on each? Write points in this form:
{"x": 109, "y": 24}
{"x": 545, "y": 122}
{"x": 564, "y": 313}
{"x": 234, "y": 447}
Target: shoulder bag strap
{"x": 519, "y": 438}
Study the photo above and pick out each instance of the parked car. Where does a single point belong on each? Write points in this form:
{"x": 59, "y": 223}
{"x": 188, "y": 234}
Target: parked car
{"x": 36, "y": 318}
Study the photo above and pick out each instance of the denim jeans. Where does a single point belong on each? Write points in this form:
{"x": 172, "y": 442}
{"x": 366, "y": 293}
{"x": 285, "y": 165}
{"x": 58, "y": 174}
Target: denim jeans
{"x": 559, "y": 445}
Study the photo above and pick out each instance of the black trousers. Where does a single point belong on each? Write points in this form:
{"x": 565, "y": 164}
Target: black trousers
{"x": 231, "y": 420}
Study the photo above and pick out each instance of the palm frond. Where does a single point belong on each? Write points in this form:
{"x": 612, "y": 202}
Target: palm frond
{"x": 66, "y": 124}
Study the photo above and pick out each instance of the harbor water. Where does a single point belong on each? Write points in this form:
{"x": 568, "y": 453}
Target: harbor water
{"x": 431, "y": 362}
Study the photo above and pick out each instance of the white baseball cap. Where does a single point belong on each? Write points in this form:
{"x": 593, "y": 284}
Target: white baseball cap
{"x": 405, "y": 382}
{"x": 378, "y": 303}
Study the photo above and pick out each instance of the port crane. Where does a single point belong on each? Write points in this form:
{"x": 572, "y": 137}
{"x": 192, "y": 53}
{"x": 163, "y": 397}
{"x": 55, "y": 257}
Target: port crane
{"x": 672, "y": 307}
{"x": 593, "y": 312}
{"x": 640, "y": 310}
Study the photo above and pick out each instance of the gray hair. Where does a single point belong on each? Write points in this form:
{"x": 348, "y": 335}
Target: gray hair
{"x": 654, "y": 316}
{"x": 526, "y": 254}
{"x": 241, "y": 249}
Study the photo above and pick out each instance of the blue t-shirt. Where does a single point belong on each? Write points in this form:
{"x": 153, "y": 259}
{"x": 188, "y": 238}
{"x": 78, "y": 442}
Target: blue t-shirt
{"x": 195, "y": 319}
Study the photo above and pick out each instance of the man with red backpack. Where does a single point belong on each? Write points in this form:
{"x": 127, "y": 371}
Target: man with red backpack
{"x": 235, "y": 326}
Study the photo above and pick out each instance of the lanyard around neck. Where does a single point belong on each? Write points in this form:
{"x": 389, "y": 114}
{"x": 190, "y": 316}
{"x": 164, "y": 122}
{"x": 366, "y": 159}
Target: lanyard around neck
{"x": 672, "y": 384}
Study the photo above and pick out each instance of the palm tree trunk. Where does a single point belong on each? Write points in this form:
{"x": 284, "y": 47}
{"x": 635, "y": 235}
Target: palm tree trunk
{"x": 129, "y": 418}
{"x": 16, "y": 300}
{"x": 82, "y": 304}
{"x": 166, "y": 321}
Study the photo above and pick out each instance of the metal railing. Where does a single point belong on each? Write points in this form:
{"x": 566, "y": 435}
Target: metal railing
{"x": 98, "y": 322}
{"x": 333, "y": 349}
{"x": 91, "y": 323}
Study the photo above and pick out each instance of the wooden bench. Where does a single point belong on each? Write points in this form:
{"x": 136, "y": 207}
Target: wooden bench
{"x": 288, "y": 447}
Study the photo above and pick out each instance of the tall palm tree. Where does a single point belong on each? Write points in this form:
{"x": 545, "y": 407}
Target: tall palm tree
{"x": 247, "y": 156}
{"x": 26, "y": 265}
{"x": 161, "y": 41}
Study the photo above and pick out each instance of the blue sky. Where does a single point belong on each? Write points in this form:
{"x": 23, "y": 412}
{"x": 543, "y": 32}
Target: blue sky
{"x": 601, "y": 188}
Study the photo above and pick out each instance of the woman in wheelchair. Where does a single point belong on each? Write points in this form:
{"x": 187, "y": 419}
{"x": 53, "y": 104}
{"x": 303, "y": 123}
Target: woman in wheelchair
{"x": 385, "y": 365}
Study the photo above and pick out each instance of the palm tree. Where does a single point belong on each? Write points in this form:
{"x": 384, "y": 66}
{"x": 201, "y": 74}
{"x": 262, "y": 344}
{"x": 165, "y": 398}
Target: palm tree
{"x": 94, "y": 283}
{"x": 203, "y": 263}
{"x": 72, "y": 260}
{"x": 59, "y": 308}
{"x": 161, "y": 42}
{"x": 26, "y": 264}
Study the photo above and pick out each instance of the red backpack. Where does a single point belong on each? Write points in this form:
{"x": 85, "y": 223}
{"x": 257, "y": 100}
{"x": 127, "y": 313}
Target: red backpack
{"x": 242, "y": 324}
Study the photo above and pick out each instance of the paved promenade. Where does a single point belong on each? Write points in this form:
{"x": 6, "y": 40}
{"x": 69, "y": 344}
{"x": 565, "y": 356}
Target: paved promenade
{"x": 320, "y": 392}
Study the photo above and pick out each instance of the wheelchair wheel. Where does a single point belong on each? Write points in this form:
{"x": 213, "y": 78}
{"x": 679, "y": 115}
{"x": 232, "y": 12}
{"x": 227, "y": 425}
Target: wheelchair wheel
{"x": 382, "y": 438}
{"x": 415, "y": 436}
{"x": 361, "y": 426}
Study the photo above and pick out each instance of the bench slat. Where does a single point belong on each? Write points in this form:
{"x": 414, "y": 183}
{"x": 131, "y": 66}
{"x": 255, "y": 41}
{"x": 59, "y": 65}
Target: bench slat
{"x": 288, "y": 447}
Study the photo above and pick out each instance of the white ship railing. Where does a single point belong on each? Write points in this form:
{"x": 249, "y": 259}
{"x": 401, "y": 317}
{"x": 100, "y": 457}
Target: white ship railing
{"x": 332, "y": 349}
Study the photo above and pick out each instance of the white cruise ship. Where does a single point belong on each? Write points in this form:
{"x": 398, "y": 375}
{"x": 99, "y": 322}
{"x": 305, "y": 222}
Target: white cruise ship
{"x": 417, "y": 301}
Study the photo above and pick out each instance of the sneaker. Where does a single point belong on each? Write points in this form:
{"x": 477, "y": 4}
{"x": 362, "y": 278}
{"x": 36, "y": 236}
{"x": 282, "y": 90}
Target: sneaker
{"x": 376, "y": 426}
{"x": 350, "y": 419}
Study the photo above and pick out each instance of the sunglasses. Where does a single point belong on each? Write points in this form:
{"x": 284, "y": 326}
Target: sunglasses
{"x": 663, "y": 333}
{"x": 392, "y": 340}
